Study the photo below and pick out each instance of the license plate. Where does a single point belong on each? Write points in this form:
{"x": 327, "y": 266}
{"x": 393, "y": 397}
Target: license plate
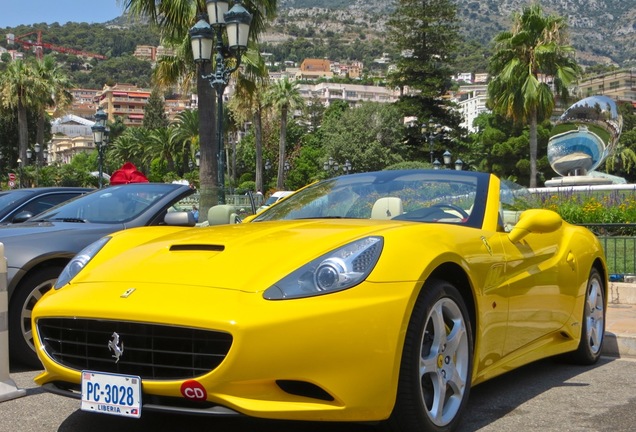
{"x": 113, "y": 394}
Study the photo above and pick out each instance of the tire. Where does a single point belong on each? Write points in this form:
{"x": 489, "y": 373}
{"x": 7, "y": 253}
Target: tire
{"x": 27, "y": 293}
{"x": 437, "y": 361}
{"x": 593, "y": 322}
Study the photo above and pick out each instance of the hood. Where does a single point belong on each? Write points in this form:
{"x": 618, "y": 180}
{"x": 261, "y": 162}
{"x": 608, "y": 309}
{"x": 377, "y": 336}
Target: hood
{"x": 27, "y": 230}
{"x": 248, "y": 257}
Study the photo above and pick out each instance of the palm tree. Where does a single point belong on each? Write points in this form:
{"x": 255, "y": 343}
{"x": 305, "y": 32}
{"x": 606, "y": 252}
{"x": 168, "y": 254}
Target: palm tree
{"x": 17, "y": 91}
{"x": 187, "y": 131}
{"x": 175, "y": 18}
{"x": 247, "y": 105}
{"x": 284, "y": 96}
{"x": 54, "y": 91}
{"x": 534, "y": 51}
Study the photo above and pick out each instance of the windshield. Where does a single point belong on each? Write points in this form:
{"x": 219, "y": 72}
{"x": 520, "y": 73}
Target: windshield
{"x": 414, "y": 195}
{"x": 115, "y": 204}
{"x": 8, "y": 198}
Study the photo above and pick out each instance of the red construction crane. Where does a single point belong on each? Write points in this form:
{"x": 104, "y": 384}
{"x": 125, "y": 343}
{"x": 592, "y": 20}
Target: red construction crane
{"x": 38, "y": 46}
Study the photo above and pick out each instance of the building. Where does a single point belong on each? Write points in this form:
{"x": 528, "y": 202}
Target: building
{"x": 354, "y": 94}
{"x": 84, "y": 102}
{"x": 312, "y": 69}
{"x": 619, "y": 85}
{"x": 471, "y": 101}
{"x": 145, "y": 52}
{"x": 71, "y": 135}
{"x": 126, "y": 101}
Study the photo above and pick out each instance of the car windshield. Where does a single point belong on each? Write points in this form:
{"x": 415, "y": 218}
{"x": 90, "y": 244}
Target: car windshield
{"x": 414, "y": 195}
{"x": 115, "y": 204}
{"x": 9, "y": 197}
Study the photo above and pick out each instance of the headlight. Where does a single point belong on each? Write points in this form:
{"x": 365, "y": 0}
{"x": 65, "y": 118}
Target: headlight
{"x": 338, "y": 270}
{"x": 79, "y": 261}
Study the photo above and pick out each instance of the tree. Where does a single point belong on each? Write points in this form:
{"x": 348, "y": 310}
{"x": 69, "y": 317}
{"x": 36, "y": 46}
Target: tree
{"x": 53, "y": 92}
{"x": 370, "y": 136}
{"x": 155, "y": 111}
{"x": 174, "y": 19}
{"x": 17, "y": 90}
{"x": 533, "y": 52}
{"x": 426, "y": 34}
{"x": 247, "y": 104}
{"x": 284, "y": 96}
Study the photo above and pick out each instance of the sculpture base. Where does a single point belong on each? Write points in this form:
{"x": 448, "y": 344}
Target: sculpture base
{"x": 583, "y": 180}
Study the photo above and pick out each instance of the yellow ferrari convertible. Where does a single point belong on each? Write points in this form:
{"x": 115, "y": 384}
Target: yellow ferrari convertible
{"x": 372, "y": 297}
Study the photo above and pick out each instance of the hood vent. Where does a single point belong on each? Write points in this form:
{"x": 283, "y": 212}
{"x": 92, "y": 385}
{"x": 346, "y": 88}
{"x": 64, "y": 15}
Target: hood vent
{"x": 197, "y": 247}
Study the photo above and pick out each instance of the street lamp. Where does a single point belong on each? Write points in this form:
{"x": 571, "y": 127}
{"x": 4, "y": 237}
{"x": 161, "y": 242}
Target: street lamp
{"x": 99, "y": 137}
{"x": 20, "y": 166}
{"x": 330, "y": 166}
{"x": 36, "y": 150}
{"x": 459, "y": 164}
{"x": 236, "y": 22}
{"x": 431, "y": 132}
{"x": 447, "y": 157}
{"x": 346, "y": 167}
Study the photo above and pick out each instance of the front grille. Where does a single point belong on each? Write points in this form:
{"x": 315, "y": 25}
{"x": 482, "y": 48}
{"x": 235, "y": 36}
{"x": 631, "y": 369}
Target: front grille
{"x": 156, "y": 352}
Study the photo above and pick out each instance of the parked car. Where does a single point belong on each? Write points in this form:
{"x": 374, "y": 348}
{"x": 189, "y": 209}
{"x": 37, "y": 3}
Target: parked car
{"x": 18, "y": 205}
{"x": 380, "y": 296}
{"x": 274, "y": 197}
{"x": 37, "y": 250}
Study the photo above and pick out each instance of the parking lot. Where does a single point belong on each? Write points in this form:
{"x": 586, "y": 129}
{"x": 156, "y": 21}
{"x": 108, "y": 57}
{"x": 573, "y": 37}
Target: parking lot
{"x": 546, "y": 396}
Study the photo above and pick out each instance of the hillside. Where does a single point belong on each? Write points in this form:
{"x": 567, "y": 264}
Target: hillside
{"x": 602, "y": 31}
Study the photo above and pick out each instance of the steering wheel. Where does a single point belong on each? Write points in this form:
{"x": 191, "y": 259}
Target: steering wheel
{"x": 459, "y": 210}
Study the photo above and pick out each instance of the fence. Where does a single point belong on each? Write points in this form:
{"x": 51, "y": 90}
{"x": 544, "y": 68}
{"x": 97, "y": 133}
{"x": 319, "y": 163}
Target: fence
{"x": 619, "y": 243}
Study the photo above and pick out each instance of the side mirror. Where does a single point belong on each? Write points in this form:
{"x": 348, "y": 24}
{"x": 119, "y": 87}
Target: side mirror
{"x": 22, "y": 217}
{"x": 180, "y": 218}
{"x": 535, "y": 221}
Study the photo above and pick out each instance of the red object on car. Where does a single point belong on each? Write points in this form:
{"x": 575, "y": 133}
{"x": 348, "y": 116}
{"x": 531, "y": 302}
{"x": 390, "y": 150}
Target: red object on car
{"x": 128, "y": 173}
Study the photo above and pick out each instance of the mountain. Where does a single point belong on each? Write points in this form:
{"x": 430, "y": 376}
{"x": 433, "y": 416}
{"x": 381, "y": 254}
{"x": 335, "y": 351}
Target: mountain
{"x": 602, "y": 31}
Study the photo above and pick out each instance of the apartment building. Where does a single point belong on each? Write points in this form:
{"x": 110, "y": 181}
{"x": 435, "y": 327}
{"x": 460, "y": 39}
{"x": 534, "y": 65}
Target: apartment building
{"x": 354, "y": 94}
{"x": 126, "y": 101}
{"x": 84, "y": 102}
{"x": 619, "y": 85}
{"x": 471, "y": 101}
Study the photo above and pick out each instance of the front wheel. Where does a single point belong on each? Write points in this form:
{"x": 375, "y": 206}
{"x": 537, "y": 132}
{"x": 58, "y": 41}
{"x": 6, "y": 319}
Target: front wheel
{"x": 593, "y": 323}
{"x": 436, "y": 368}
{"x": 27, "y": 293}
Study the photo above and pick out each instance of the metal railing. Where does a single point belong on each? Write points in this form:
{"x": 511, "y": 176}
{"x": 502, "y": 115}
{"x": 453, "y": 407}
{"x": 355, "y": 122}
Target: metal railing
{"x": 619, "y": 243}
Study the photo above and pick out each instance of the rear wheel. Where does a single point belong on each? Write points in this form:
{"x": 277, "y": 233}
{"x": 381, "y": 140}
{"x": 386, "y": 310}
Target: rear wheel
{"x": 27, "y": 293}
{"x": 436, "y": 368}
{"x": 593, "y": 323}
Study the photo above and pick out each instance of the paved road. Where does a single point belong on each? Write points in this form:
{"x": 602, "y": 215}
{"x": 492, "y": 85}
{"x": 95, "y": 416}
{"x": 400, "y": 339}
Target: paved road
{"x": 545, "y": 396}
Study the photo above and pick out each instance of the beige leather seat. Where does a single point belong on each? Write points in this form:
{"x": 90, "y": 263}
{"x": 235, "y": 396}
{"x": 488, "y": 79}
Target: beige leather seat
{"x": 222, "y": 214}
{"x": 387, "y": 208}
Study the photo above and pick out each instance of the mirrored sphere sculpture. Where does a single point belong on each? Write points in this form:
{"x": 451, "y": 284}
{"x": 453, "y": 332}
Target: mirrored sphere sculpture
{"x": 584, "y": 136}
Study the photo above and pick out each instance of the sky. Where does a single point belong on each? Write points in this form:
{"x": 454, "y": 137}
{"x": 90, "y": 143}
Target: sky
{"x": 16, "y": 12}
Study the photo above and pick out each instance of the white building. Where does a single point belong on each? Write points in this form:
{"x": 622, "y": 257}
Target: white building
{"x": 471, "y": 100}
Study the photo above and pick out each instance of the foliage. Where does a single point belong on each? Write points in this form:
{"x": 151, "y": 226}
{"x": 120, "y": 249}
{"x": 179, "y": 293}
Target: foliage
{"x": 535, "y": 46}
{"x": 155, "y": 111}
{"x": 370, "y": 136}
{"x": 605, "y": 207}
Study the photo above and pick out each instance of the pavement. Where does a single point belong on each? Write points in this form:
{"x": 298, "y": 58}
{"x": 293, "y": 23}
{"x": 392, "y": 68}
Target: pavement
{"x": 620, "y": 325}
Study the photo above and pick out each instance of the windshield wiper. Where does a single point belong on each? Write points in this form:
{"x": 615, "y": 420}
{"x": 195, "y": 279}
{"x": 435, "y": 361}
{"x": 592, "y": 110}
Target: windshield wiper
{"x": 68, "y": 219}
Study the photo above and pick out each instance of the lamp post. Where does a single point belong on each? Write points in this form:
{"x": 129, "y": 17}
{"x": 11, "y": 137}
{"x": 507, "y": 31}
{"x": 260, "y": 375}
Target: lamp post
{"x": 330, "y": 166}
{"x": 431, "y": 131}
{"x": 346, "y": 167}
{"x": 20, "y": 166}
{"x": 236, "y": 22}
{"x": 99, "y": 137}
{"x": 36, "y": 150}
